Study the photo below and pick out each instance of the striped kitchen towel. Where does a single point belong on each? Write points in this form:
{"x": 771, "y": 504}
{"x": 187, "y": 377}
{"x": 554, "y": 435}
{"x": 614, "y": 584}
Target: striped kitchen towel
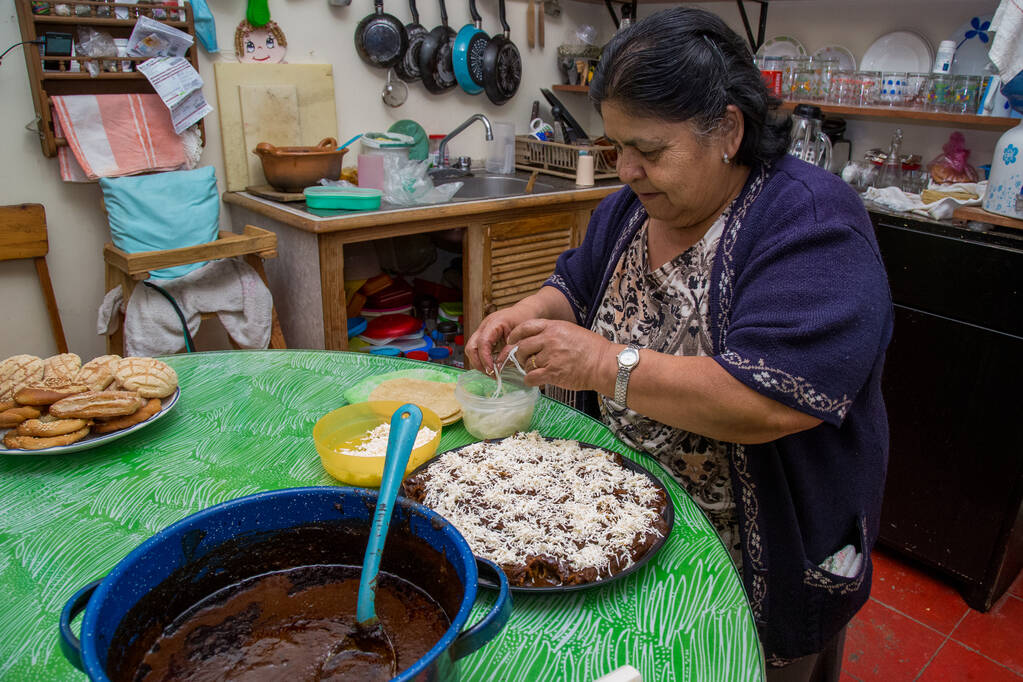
{"x": 114, "y": 135}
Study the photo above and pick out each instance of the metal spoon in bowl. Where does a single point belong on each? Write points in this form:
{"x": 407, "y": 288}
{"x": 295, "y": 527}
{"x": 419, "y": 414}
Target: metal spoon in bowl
{"x": 366, "y": 649}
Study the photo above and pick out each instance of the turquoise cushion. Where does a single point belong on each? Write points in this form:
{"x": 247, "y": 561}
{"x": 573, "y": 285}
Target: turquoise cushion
{"x": 163, "y": 211}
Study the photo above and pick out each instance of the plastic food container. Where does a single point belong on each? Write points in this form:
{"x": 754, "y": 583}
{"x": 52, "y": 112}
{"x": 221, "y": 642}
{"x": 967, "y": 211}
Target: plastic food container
{"x": 347, "y": 198}
{"x": 495, "y": 417}
{"x": 374, "y": 148}
{"x": 346, "y": 426}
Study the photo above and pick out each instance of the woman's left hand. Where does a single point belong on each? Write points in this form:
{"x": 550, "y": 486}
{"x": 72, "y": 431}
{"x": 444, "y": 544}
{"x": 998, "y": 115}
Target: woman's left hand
{"x": 560, "y": 353}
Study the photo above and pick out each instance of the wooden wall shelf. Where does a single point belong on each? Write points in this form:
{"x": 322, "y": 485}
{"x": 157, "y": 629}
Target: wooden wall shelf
{"x": 917, "y": 116}
{"x": 63, "y": 81}
{"x": 941, "y": 118}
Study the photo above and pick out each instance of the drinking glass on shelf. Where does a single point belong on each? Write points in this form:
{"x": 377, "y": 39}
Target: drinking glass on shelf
{"x": 964, "y": 95}
{"x": 771, "y": 68}
{"x": 869, "y": 87}
{"x": 917, "y": 87}
{"x": 844, "y": 88}
{"x": 825, "y": 70}
{"x": 915, "y": 181}
{"x": 804, "y": 85}
{"x": 940, "y": 94}
{"x": 893, "y": 88}
{"x": 790, "y": 66}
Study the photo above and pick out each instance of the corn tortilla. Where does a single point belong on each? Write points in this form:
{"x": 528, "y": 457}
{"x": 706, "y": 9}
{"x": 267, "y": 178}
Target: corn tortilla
{"x": 433, "y": 395}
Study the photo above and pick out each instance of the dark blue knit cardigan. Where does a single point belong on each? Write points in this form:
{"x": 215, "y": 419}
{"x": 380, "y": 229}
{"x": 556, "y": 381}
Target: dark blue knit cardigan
{"x": 800, "y": 311}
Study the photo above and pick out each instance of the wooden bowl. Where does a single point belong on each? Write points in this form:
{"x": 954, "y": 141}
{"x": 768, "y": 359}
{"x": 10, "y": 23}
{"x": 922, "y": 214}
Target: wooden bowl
{"x": 292, "y": 169}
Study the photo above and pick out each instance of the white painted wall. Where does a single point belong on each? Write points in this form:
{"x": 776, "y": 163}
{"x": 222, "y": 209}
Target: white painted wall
{"x": 320, "y": 33}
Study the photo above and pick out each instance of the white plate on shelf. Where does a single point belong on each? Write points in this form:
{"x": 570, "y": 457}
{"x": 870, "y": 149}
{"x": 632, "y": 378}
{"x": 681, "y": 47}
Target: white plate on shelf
{"x": 846, "y": 59}
{"x": 899, "y": 51}
{"x": 781, "y": 46}
{"x": 973, "y": 40}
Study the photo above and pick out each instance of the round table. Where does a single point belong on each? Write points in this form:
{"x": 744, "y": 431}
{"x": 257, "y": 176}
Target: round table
{"x": 243, "y": 424}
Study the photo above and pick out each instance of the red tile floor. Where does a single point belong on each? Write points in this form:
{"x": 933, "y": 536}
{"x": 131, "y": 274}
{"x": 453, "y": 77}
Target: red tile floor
{"x": 917, "y": 627}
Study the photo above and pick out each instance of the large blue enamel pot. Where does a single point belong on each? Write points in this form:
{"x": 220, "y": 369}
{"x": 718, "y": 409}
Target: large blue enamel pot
{"x": 271, "y": 531}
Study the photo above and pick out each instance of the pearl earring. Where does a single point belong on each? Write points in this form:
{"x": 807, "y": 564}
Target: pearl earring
{"x": 725, "y": 159}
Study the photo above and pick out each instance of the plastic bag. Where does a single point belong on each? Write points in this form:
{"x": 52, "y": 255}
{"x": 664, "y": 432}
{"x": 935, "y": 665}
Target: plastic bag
{"x": 407, "y": 184}
{"x": 93, "y": 43}
{"x": 951, "y": 165}
{"x": 150, "y": 38}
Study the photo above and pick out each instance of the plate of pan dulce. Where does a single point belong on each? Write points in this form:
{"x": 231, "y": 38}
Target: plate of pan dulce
{"x": 59, "y": 405}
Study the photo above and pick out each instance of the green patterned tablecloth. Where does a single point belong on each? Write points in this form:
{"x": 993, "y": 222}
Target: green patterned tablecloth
{"x": 243, "y": 425}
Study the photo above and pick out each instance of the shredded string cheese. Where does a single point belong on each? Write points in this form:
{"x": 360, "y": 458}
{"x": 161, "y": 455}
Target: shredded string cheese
{"x": 375, "y": 442}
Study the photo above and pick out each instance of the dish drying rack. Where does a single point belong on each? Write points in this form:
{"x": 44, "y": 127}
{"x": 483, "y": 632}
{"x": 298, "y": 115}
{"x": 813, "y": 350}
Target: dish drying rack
{"x": 556, "y": 158}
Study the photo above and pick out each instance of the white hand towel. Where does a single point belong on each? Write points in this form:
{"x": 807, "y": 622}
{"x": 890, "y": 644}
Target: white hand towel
{"x": 894, "y": 198}
{"x": 1007, "y": 47}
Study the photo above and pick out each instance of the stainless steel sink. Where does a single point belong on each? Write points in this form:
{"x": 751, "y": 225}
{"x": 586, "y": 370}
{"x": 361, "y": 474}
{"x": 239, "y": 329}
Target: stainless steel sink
{"x": 489, "y": 186}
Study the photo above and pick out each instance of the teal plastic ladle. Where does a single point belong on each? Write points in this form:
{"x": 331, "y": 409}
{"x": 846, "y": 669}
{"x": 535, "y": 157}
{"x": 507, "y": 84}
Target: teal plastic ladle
{"x": 368, "y": 644}
{"x": 349, "y": 142}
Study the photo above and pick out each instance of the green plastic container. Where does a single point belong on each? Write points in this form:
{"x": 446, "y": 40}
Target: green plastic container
{"x": 346, "y": 198}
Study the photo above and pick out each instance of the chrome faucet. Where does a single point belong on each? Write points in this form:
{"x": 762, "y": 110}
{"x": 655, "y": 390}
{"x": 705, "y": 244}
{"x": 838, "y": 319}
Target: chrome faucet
{"x": 442, "y": 149}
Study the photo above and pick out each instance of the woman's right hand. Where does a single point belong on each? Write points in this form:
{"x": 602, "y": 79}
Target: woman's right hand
{"x": 486, "y": 345}
{"x": 483, "y": 347}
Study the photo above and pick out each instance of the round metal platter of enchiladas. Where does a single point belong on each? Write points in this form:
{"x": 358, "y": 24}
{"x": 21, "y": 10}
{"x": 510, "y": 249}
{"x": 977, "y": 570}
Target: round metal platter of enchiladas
{"x": 555, "y": 514}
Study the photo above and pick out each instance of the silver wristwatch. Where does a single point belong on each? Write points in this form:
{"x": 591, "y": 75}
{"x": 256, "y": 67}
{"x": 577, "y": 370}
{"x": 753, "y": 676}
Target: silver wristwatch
{"x": 628, "y": 358}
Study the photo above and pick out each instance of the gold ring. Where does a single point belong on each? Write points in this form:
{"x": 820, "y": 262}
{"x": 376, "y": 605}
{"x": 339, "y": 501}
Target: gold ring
{"x": 532, "y": 361}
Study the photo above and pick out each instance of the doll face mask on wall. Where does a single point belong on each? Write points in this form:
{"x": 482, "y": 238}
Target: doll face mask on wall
{"x": 260, "y": 45}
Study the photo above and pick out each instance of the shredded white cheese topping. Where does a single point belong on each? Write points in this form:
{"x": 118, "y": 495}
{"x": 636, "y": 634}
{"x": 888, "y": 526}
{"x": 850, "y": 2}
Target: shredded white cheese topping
{"x": 374, "y": 443}
{"x": 526, "y": 496}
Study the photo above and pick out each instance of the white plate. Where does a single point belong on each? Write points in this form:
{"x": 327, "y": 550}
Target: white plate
{"x": 846, "y": 59}
{"x": 781, "y": 46}
{"x": 973, "y": 40}
{"x": 92, "y": 441}
{"x": 899, "y": 51}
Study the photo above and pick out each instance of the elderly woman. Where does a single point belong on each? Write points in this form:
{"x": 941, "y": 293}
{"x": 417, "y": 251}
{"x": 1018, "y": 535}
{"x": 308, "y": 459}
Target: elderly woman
{"x": 727, "y": 313}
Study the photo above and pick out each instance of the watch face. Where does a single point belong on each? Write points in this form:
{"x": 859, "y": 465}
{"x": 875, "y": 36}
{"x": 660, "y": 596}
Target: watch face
{"x": 629, "y": 357}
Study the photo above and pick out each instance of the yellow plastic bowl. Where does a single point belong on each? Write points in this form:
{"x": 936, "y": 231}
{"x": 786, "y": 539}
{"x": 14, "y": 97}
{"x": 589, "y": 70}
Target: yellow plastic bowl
{"x": 348, "y": 425}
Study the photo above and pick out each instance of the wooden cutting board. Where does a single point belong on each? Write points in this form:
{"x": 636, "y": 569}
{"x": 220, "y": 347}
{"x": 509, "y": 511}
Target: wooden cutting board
{"x": 268, "y": 192}
{"x": 980, "y": 215}
{"x": 314, "y": 102}
{"x": 269, "y": 114}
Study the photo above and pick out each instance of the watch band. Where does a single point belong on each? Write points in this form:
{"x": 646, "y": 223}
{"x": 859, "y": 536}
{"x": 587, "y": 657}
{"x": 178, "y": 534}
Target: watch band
{"x": 622, "y": 379}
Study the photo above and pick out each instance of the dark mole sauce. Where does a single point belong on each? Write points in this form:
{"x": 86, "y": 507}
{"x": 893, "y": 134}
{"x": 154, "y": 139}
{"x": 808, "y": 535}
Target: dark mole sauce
{"x": 283, "y": 625}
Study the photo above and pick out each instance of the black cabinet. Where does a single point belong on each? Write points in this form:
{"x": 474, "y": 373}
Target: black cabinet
{"x": 953, "y": 385}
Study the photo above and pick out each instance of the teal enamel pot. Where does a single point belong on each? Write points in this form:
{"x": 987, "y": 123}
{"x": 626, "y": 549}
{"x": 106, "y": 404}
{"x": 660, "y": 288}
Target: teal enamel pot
{"x": 467, "y": 56}
{"x": 272, "y": 531}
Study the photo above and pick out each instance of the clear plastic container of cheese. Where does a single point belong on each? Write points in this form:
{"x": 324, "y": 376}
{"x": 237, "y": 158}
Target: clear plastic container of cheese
{"x": 488, "y": 416}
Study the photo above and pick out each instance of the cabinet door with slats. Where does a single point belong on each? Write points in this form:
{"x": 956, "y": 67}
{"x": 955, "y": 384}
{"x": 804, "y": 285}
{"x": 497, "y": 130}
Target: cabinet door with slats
{"x": 520, "y": 254}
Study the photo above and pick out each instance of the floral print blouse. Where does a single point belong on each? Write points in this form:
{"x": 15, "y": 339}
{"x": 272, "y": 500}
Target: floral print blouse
{"x": 666, "y": 310}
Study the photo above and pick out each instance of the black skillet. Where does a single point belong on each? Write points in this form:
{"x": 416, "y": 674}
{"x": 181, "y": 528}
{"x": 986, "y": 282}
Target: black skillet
{"x": 502, "y": 65}
{"x": 380, "y": 38}
{"x": 408, "y": 66}
{"x": 435, "y": 67}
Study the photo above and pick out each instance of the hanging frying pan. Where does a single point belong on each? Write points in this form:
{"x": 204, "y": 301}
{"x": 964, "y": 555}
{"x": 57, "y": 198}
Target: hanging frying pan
{"x": 435, "y": 66}
{"x": 470, "y": 44}
{"x": 380, "y": 38}
{"x": 502, "y": 65}
{"x": 408, "y": 66}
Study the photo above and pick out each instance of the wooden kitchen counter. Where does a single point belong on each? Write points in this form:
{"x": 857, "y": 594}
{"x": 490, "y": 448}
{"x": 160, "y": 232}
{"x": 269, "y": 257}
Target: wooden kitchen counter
{"x": 509, "y": 247}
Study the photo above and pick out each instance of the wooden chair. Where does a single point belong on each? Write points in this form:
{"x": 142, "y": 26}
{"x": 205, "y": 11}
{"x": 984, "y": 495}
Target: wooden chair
{"x": 23, "y": 235}
{"x": 127, "y": 269}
